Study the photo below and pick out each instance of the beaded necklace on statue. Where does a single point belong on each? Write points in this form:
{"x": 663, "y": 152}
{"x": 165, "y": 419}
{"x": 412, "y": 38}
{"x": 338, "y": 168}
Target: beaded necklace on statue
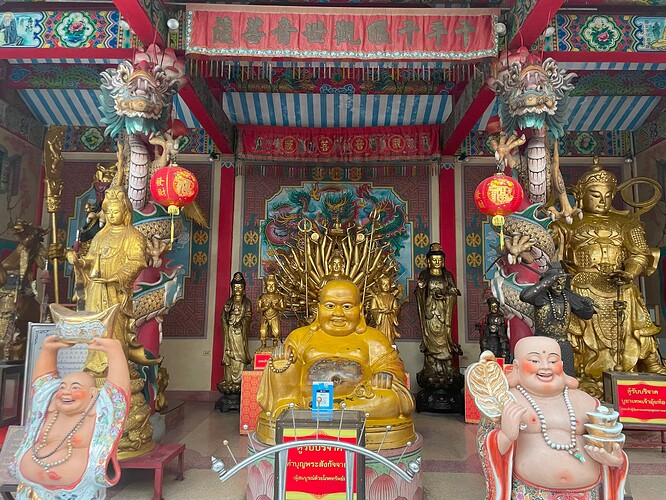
{"x": 557, "y": 317}
{"x": 572, "y": 446}
{"x": 39, "y": 459}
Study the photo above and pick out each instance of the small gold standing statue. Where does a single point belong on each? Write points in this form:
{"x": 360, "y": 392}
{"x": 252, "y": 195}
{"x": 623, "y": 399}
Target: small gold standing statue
{"x": 493, "y": 331}
{"x": 606, "y": 251}
{"x": 384, "y": 308}
{"x": 270, "y": 305}
{"x": 106, "y": 273}
{"x": 436, "y": 296}
{"x": 236, "y": 319}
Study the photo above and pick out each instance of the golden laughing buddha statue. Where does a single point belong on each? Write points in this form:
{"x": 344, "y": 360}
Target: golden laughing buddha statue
{"x": 366, "y": 371}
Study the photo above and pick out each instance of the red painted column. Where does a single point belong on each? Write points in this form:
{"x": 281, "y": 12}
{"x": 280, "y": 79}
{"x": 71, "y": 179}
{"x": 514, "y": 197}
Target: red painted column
{"x": 224, "y": 249}
{"x": 448, "y": 229}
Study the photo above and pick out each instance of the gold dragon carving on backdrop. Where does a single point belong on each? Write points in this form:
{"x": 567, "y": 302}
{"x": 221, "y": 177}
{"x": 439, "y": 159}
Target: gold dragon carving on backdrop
{"x": 321, "y": 253}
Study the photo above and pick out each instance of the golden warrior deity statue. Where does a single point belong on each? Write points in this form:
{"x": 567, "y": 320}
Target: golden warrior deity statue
{"x": 606, "y": 251}
{"x": 270, "y": 305}
{"x": 106, "y": 275}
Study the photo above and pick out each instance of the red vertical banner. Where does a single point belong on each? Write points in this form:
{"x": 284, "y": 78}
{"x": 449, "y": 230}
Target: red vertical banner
{"x": 447, "y": 229}
{"x": 223, "y": 278}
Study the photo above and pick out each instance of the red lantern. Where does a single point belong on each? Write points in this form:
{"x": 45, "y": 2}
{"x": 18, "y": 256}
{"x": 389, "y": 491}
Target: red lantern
{"x": 499, "y": 195}
{"x": 173, "y": 187}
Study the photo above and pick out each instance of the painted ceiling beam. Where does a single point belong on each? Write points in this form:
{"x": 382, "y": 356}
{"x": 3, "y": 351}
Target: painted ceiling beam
{"x": 64, "y": 53}
{"x": 143, "y": 22}
{"x": 205, "y": 107}
{"x": 654, "y": 57}
{"x": 476, "y": 98}
{"x": 528, "y": 30}
{"x": 147, "y": 25}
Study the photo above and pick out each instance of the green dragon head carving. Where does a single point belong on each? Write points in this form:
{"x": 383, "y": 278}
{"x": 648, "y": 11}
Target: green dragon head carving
{"x": 136, "y": 96}
{"x": 533, "y": 95}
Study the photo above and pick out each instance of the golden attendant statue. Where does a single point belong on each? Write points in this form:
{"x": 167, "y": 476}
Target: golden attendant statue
{"x": 270, "y": 305}
{"x": 106, "y": 274}
{"x": 367, "y": 373}
{"x": 384, "y": 308}
{"x": 606, "y": 251}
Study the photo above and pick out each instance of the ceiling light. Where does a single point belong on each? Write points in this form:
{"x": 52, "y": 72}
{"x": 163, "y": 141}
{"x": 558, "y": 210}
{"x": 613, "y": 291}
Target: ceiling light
{"x": 123, "y": 24}
{"x": 500, "y": 28}
{"x": 173, "y": 24}
{"x": 213, "y": 157}
{"x": 550, "y": 31}
{"x": 628, "y": 158}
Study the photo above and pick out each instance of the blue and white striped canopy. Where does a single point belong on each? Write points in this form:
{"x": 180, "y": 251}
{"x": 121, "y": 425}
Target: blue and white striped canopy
{"x": 80, "y": 107}
{"x": 335, "y": 110}
{"x": 598, "y": 112}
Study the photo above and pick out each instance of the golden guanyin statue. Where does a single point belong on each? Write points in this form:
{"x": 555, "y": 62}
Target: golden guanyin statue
{"x": 606, "y": 251}
{"x": 236, "y": 318}
{"x": 338, "y": 346}
{"x": 106, "y": 274}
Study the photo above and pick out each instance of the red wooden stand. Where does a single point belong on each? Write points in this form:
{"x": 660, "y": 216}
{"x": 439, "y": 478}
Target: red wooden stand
{"x": 156, "y": 460}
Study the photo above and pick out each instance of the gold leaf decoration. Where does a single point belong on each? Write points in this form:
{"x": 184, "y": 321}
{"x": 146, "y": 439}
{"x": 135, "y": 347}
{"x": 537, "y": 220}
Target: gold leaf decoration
{"x": 488, "y": 386}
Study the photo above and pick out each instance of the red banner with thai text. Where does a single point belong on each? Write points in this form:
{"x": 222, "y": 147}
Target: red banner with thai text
{"x": 642, "y": 402}
{"x": 321, "y": 145}
{"x": 340, "y": 33}
{"x": 318, "y": 472}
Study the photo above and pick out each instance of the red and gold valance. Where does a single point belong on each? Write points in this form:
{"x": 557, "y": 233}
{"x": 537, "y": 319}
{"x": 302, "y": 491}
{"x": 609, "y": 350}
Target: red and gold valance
{"x": 362, "y": 34}
{"x": 324, "y": 145}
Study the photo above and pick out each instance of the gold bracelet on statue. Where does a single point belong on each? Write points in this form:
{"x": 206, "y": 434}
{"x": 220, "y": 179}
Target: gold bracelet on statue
{"x": 284, "y": 368}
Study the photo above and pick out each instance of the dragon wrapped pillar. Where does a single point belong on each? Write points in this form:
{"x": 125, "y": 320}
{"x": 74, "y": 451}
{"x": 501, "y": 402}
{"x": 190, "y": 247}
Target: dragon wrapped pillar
{"x": 532, "y": 97}
{"x": 136, "y": 103}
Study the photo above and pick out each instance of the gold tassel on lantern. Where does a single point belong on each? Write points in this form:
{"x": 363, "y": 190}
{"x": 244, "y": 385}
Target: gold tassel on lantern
{"x": 498, "y": 220}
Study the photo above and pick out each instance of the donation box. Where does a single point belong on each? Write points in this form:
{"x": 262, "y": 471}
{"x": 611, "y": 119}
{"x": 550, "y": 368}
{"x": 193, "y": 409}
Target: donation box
{"x": 318, "y": 472}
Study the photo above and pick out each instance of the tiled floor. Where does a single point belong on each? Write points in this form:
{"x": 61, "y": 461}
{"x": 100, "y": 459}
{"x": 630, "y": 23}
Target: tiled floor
{"x": 451, "y": 466}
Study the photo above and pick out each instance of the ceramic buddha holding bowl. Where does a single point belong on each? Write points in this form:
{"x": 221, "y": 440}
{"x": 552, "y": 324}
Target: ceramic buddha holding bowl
{"x": 366, "y": 371}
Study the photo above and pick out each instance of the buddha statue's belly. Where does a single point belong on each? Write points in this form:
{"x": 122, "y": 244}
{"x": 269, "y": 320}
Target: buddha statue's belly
{"x": 346, "y": 374}
{"x": 562, "y": 470}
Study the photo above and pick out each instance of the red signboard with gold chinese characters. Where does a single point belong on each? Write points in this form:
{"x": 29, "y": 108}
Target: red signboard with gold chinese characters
{"x": 260, "y": 32}
{"x": 418, "y": 142}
